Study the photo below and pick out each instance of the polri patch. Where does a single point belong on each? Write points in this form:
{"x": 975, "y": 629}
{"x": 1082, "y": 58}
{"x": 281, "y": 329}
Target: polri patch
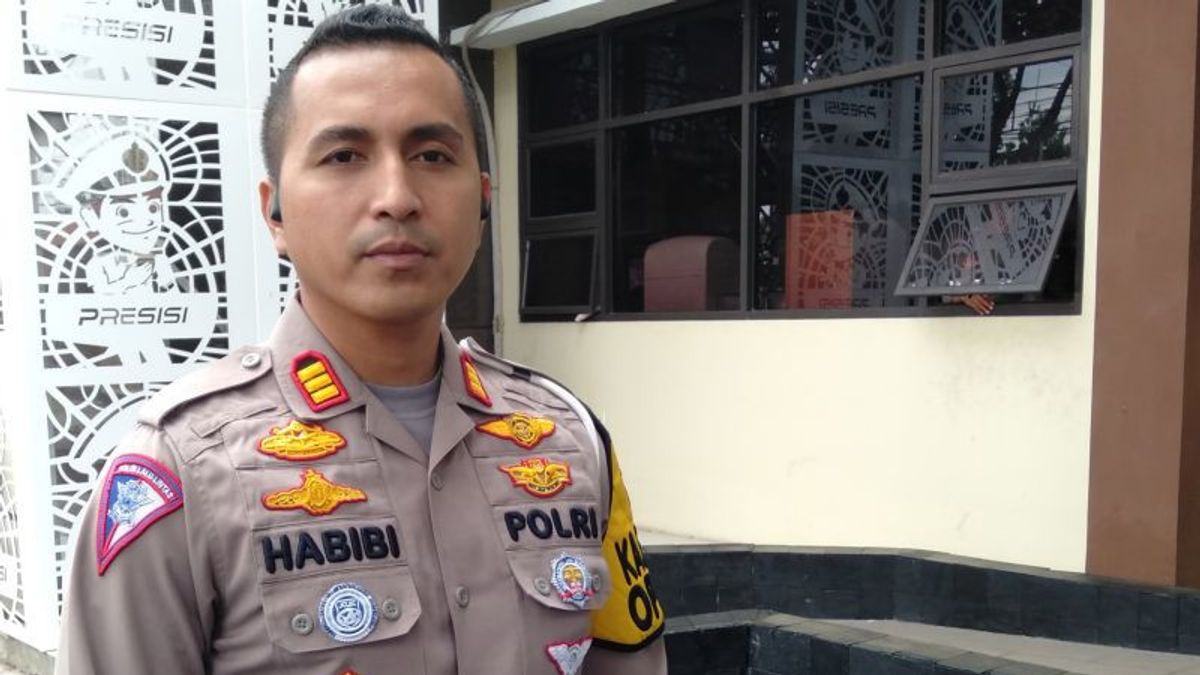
{"x": 524, "y": 430}
{"x": 539, "y": 476}
{"x": 567, "y": 657}
{"x": 137, "y": 492}
{"x": 300, "y": 442}
{"x": 317, "y": 382}
{"x": 571, "y": 578}
{"x": 316, "y": 494}
{"x": 472, "y": 381}
{"x": 347, "y": 612}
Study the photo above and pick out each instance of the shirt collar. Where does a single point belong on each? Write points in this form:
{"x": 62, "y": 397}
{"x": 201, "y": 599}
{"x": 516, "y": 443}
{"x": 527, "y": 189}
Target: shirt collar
{"x": 317, "y": 383}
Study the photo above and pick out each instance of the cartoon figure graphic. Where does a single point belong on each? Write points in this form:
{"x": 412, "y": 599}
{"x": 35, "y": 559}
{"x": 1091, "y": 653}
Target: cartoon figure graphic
{"x": 117, "y": 191}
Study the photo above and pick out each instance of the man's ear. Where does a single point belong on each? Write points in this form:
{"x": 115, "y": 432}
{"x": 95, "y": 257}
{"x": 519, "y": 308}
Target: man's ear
{"x": 267, "y": 196}
{"x": 485, "y": 198}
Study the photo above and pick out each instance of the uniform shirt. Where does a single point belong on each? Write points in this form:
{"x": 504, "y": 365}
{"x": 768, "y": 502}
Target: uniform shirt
{"x": 269, "y": 515}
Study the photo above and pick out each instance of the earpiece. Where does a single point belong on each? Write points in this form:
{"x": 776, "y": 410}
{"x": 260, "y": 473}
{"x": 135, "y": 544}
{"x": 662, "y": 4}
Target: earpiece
{"x": 485, "y": 210}
{"x": 276, "y": 213}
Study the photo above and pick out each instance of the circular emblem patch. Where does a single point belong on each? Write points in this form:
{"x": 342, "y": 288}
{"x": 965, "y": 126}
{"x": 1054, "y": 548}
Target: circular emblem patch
{"x": 347, "y": 612}
{"x": 570, "y": 577}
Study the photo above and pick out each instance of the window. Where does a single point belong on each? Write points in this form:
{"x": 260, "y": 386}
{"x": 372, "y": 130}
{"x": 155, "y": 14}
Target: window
{"x": 747, "y": 158}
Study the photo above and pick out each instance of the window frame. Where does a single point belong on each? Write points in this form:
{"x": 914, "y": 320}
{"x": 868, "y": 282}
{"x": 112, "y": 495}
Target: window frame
{"x": 1066, "y": 190}
{"x": 559, "y": 310}
{"x": 929, "y": 67}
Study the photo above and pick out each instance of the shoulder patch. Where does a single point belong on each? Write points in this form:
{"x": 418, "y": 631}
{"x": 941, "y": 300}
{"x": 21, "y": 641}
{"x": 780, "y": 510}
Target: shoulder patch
{"x": 633, "y": 616}
{"x": 237, "y": 368}
{"x": 136, "y": 493}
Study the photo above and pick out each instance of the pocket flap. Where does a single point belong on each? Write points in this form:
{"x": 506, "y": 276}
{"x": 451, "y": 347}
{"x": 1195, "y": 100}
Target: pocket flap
{"x": 568, "y": 579}
{"x": 334, "y": 610}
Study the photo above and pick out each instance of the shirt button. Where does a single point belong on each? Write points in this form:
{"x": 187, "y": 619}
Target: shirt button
{"x": 302, "y": 624}
{"x": 462, "y": 596}
{"x": 436, "y": 481}
{"x": 251, "y": 361}
{"x": 541, "y": 585}
{"x": 390, "y": 609}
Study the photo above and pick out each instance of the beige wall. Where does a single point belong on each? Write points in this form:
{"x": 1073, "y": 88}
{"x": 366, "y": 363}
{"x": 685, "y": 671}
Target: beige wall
{"x": 963, "y": 435}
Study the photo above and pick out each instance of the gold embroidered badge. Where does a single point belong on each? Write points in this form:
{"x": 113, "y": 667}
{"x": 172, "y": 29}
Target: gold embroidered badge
{"x": 300, "y": 442}
{"x": 524, "y": 430}
{"x": 317, "y": 495}
{"x": 539, "y": 476}
{"x": 472, "y": 381}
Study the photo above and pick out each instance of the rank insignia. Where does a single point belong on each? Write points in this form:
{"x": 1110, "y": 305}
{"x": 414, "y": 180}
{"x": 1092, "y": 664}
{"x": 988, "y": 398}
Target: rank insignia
{"x": 539, "y": 476}
{"x": 317, "y": 495}
{"x": 347, "y": 612}
{"x": 519, "y": 428}
{"x": 317, "y": 381}
{"x": 472, "y": 381}
{"x": 300, "y": 442}
{"x": 568, "y": 656}
{"x": 570, "y": 577}
{"x": 137, "y": 493}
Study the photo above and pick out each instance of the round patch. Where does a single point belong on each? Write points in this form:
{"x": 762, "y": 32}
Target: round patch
{"x": 347, "y": 612}
{"x": 570, "y": 576}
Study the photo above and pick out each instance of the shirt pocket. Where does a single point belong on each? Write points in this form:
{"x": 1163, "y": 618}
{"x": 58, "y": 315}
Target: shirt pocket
{"x": 573, "y": 579}
{"x": 334, "y": 610}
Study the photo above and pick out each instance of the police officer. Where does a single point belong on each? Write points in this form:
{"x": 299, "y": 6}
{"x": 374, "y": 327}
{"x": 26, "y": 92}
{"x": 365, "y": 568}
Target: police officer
{"x": 360, "y": 494}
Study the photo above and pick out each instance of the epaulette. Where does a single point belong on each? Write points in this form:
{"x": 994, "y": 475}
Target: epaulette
{"x": 237, "y": 368}
{"x": 596, "y": 431}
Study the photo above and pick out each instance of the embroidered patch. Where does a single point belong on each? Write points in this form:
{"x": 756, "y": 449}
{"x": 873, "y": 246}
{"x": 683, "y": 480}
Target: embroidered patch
{"x": 137, "y": 493}
{"x": 300, "y": 442}
{"x": 539, "y": 476}
{"x": 472, "y": 381}
{"x": 318, "y": 383}
{"x": 578, "y": 523}
{"x": 524, "y": 430}
{"x": 317, "y": 495}
{"x": 568, "y": 656}
{"x": 570, "y": 576}
{"x": 333, "y": 545}
{"x": 347, "y": 612}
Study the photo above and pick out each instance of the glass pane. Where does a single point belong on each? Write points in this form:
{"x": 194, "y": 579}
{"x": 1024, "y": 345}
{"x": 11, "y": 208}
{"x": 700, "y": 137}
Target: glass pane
{"x": 806, "y": 41}
{"x": 564, "y": 85}
{"x": 677, "y": 228}
{"x": 681, "y": 59}
{"x": 838, "y": 196}
{"x": 562, "y": 179}
{"x": 558, "y": 272}
{"x": 973, "y": 24}
{"x": 996, "y": 245}
{"x": 1015, "y": 115}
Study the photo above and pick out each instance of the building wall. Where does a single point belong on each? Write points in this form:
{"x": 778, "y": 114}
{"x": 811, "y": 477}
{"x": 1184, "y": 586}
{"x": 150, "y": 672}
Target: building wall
{"x": 965, "y": 435}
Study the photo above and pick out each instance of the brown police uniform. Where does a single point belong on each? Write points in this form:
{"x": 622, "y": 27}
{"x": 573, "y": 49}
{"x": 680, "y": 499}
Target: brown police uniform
{"x": 269, "y": 515}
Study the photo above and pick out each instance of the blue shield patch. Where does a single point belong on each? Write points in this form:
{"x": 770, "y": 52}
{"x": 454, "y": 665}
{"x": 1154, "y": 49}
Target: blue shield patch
{"x": 136, "y": 493}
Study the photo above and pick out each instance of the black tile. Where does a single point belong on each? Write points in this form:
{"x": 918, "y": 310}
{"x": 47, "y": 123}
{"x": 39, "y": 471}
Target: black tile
{"x": 829, "y": 657}
{"x": 1159, "y": 642}
{"x": 1117, "y": 620}
{"x": 1189, "y": 614}
{"x": 735, "y": 597}
{"x": 1058, "y": 608}
{"x": 780, "y": 650}
{"x": 970, "y": 585}
{"x": 1158, "y": 612}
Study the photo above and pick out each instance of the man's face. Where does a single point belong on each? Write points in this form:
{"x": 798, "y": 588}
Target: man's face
{"x": 379, "y": 183}
{"x": 133, "y": 222}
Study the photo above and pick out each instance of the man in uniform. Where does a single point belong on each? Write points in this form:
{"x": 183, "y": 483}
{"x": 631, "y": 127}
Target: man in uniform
{"x": 361, "y": 494}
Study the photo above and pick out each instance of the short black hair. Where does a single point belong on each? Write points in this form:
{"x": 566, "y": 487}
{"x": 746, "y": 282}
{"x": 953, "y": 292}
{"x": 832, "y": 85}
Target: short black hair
{"x": 355, "y": 26}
